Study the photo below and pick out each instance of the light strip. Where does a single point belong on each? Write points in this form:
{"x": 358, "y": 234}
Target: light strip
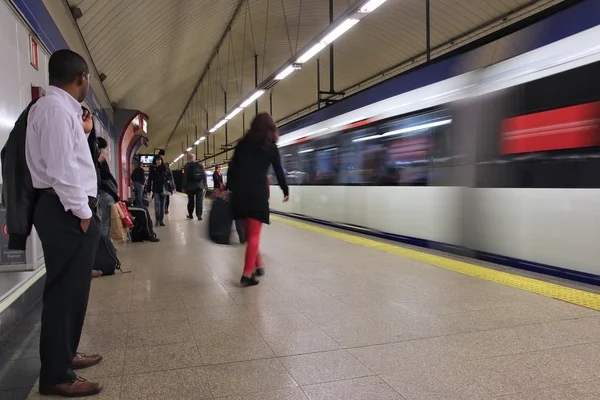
{"x": 283, "y": 74}
{"x": 371, "y": 6}
{"x": 189, "y": 149}
{"x": 340, "y": 30}
{"x": 405, "y": 130}
{"x": 310, "y": 53}
{"x": 234, "y": 113}
{"x": 306, "y": 151}
{"x": 197, "y": 142}
{"x": 252, "y": 98}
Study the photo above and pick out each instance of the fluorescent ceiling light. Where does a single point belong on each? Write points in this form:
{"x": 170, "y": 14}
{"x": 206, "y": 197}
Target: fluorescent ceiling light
{"x": 406, "y": 130}
{"x": 340, "y": 30}
{"x": 218, "y": 125}
{"x": 310, "y": 53}
{"x": 252, "y": 98}
{"x": 197, "y": 142}
{"x": 234, "y": 113}
{"x": 306, "y": 151}
{"x": 371, "y": 6}
{"x": 188, "y": 149}
{"x": 348, "y": 122}
{"x": 283, "y": 74}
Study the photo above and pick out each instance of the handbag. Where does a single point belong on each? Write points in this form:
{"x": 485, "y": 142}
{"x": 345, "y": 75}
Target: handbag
{"x": 127, "y": 220}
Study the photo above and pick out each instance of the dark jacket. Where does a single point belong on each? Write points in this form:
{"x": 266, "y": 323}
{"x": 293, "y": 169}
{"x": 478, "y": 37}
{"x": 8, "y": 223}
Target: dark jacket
{"x": 18, "y": 194}
{"x": 193, "y": 185}
{"x": 217, "y": 181}
{"x": 95, "y": 151}
{"x": 138, "y": 175}
{"x": 247, "y": 178}
{"x": 108, "y": 183}
{"x": 158, "y": 178}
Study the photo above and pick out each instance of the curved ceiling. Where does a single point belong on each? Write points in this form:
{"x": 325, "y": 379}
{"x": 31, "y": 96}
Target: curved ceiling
{"x": 155, "y": 53}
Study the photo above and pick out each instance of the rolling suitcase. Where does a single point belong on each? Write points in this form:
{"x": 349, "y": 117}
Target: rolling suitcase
{"x": 142, "y": 225}
{"x": 220, "y": 220}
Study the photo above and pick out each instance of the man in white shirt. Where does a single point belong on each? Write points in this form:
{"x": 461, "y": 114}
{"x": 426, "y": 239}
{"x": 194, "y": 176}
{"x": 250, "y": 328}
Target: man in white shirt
{"x": 63, "y": 171}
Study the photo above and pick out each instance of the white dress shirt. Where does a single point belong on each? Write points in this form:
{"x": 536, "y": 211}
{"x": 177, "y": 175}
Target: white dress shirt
{"x": 57, "y": 151}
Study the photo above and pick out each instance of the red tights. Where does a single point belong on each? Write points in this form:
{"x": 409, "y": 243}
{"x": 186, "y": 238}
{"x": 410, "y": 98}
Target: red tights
{"x": 253, "y": 259}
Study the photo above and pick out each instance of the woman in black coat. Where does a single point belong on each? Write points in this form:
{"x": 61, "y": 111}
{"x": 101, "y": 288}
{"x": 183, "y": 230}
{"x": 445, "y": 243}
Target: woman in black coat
{"x": 160, "y": 184}
{"x": 247, "y": 180}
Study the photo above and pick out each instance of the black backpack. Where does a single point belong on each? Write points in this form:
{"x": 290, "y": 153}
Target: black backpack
{"x": 196, "y": 172}
{"x": 106, "y": 258}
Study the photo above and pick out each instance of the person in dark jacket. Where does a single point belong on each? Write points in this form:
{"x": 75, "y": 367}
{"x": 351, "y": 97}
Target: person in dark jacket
{"x": 247, "y": 180}
{"x": 160, "y": 182}
{"x": 171, "y": 188}
{"x": 138, "y": 177}
{"x": 218, "y": 179}
{"x": 194, "y": 184}
{"x": 108, "y": 193}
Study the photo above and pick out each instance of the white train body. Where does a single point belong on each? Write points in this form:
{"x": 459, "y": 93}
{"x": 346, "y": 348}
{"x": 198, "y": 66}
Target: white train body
{"x": 470, "y": 203}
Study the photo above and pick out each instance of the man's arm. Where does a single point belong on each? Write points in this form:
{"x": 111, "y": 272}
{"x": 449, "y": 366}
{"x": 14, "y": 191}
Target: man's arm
{"x": 56, "y": 146}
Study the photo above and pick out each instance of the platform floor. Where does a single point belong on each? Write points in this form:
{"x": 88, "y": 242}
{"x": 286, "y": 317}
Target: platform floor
{"x": 331, "y": 320}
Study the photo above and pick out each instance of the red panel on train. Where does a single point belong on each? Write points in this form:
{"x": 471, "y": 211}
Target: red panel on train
{"x": 564, "y": 128}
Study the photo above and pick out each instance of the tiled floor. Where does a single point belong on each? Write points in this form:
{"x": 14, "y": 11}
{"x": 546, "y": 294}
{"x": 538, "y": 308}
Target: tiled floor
{"x": 330, "y": 321}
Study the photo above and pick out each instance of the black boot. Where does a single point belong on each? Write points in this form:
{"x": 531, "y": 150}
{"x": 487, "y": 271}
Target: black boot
{"x": 245, "y": 281}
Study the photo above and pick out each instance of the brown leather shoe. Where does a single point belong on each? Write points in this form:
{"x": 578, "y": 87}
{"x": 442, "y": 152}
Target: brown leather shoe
{"x": 82, "y": 360}
{"x": 78, "y": 388}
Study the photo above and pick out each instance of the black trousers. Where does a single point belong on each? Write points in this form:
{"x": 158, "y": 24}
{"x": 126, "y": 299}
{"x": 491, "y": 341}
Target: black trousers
{"x": 195, "y": 200}
{"x": 69, "y": 255}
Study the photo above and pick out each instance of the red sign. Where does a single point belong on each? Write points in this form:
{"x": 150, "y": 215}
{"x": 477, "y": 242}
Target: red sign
{"x": 33, "y": 53}
{"x": 4, "y": 230}
{"x": 563, "y": 128}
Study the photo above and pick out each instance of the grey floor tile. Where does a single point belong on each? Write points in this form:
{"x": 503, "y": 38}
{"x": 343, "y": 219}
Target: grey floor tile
{"x": 180, "y": 384}
{"x": 154, "y": 318}
{"x": 192, "y": 300}
{"x": 159, "y": 358}
{"x": 437, "y": 383}
{"x": 570, "y": 392}
{"x": 300, "y": 342}
{"x": 198, "y": 315}
{"x": 207, "y": 331}
{"x": 159, "y": 335}
{"x": 235, "y": 349}
{"x": 156, "y": 305}
{"x": 269, "y": 309}
{"x": 248, "y": 377}
{"x": 294, "y": 393}
{"x": 394, "y": 357}
{"x": 324, "y": 367}
{"x": 371, "y": 388}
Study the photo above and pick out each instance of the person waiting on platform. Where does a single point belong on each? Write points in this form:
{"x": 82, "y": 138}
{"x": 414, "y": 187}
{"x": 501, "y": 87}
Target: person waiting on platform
{"x": 247, "y": 180}
{"x": 218, "y": 180}
{"x": 108, "y": 193}
{"x": 138, "y": 177}
{"x": 160, "y": 183}
{"x": 194, "y": 184}
{"x": 64, "y": 175}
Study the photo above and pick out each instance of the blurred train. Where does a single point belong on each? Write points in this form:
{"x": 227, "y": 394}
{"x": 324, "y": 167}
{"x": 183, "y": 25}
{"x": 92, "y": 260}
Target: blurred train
{"x": 501, "y": 163}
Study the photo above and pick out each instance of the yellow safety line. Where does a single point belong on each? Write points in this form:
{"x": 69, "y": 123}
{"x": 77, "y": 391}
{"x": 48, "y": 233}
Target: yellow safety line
{"x": 567, "y": 294}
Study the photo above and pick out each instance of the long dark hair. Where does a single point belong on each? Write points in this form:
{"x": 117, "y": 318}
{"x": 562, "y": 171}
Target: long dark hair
{"x": 262, "y": 129}
{"x": 161, "y": 167}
